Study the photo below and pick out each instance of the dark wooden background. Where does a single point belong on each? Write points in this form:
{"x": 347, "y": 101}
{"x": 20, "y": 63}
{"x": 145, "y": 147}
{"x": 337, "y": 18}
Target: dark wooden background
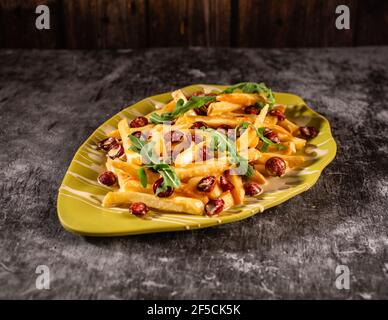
{"x": 91, "y": 24}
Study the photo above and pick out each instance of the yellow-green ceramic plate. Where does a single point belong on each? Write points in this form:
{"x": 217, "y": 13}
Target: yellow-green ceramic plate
{"x": 79, "y": 198}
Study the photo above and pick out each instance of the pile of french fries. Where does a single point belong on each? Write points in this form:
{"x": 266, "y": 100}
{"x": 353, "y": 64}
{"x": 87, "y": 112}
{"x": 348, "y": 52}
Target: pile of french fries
{"x": 189, "y": 166}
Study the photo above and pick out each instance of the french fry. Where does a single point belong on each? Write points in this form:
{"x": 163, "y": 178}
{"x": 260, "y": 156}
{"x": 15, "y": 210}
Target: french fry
{"x": 122, "y": 177}
{"x": 189, "y": 193}
{"x": 174, "y": 203}
{"x": 191, "y": 112}
{"x": 282, "y": 133}
{"x": 292, "y": 161}
{"x": 261, "y": 117}
{"x": 128, "y": 184}
{"x": 299, "y": 143}
{"x": 186, "y": 157}
{"x": 129, "y": 167}
{"x": 190, "y": 189}
{"x": 158, "y": 139}
{"x": 247, "y": 139}
{"x": 184, "y": 122}
{"x": 243, "y": 99}
{"x": 152, "y": 176}
{"x": 167, "y": 107}
{"x": 214, "y": 167}
{"x": 280, "y": 107}
{"x": 114, "y": 134}
{"x": 109, "y": 165}
{"x": 261, "y": 169}
{"x": 289, "y": 126}
{"x": 270, "y": 120}
{"x": 216, "y": 121}
{"x": 254, "y": 154}
{"x": 144, "y": 129}
{"x": 258, "y": 177}
{"x": 238, "y": 192}
{"x": 221, "y": 108}
{"x": 177, "y": 95}
{"x": 291, "y": 149}
{"x": 124, "y": 133}
{"x": 193, "y": 182}
{"x": 216, "y": 192}
{"x": 130, "y": 170}
{"x": 254, "y": 142}
{"x": 228, "y": 199}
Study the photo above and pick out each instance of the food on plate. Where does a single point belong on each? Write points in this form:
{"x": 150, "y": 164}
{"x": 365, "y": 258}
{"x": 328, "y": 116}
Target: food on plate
{"x": 202, "y": 153}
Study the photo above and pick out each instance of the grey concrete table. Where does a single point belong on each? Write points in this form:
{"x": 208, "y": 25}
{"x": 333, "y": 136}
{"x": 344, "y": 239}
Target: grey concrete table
{"x": 51, "y": 101}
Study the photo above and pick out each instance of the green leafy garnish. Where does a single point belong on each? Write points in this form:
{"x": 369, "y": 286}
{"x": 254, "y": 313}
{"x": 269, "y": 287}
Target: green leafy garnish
{"x": 260, "y": 133}
{"x": 267, "y": 142}
{"x": 170, "y": 178}
{"x": 248, "y": 87}
{"x": 181, "y": 108}
{"x": 250, "y": 171}
{"x": 221, "y": 143}
{"x": 148, "y": 153}
{"x": 261, "y": 105}
{"x": 270, "y": 99}
{"x": 152, "y": 161}
{"x": 145, "y": 149}
{"x": 142, "y": 177}
{"x": 137, "y": 144}
{"x": 253, "y": 87}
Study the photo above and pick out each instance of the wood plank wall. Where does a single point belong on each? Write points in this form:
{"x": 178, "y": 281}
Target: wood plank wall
{"x": 92, "y": 24}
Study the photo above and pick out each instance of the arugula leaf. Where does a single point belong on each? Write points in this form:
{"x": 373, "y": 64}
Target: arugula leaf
{"x": 170, "y": 178}
{"x": 221, "y": 142}
{"x": 148, "y": 153}
{"x": 181, "y": 108}
{"x": 146, "y": 150}
{"x": 270, "y": 99}
{"x": 260, "y": 105}
{"x": 268, "y": 142}
{"x": 250, "y": 171}
{"x": 243, "y": 125}
{"x": 167, "y": 116}
{"x": 260, "y": 133}
{"x": 137, "y": 144}
{"x": 248, "y": 87}
{"x": 252, "y": 87}
{"x": 142, "y": 177}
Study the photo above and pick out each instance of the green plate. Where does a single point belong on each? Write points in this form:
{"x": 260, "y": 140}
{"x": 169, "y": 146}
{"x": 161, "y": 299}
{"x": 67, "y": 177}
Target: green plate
{"x": 80, "y": 196}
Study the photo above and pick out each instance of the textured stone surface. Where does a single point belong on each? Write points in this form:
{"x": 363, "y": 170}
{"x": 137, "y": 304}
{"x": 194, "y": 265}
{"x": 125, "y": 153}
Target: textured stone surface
{"x": 51, "y": 101}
